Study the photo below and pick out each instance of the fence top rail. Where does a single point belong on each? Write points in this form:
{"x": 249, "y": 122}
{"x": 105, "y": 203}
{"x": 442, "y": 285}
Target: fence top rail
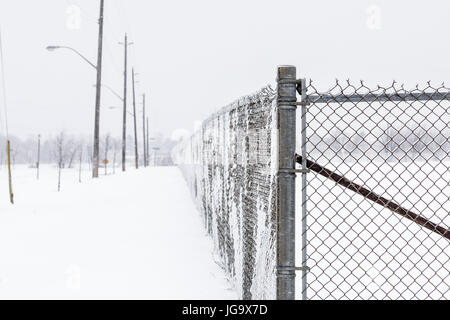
{"x": 357, "y": 92}
{"x": 381, "y": 97}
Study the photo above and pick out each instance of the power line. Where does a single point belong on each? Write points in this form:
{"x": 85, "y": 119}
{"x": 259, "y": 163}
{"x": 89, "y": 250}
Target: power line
{"x": 5, "y": 105}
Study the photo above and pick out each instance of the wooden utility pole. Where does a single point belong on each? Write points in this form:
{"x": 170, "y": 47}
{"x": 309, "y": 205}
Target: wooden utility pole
{"x": 143, "y": 130}
{"x": 98, "y": 93}
{"x": 124, "y": 124}
{"x": 38, "y": 155}
{"x": 11, "y": 194}
{"x": 136, "y": 155}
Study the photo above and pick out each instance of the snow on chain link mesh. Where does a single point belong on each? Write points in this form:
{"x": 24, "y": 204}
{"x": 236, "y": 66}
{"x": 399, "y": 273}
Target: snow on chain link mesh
{"x": 230, "y": 165}
{"x": 357, "y": 249}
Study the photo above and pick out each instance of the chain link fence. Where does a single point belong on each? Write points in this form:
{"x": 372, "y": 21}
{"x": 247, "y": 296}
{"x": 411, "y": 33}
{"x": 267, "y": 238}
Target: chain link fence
{"x": 378, "y": 192}
{"x": 372, "y": 207}
{"x": 231, "y": 168}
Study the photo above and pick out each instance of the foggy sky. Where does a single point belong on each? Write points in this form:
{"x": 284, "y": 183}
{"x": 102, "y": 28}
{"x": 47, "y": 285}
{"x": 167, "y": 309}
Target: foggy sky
{"x": 195, "y": 56}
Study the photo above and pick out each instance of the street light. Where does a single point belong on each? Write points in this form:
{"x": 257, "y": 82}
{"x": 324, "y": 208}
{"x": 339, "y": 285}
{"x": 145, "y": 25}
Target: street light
{"x": 98, "y": 69}
{"x": 97, "y": 104}
{"x": 53, "y": 48}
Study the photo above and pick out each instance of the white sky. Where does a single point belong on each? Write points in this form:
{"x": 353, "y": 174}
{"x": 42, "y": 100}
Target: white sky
{"x": 198, "y": 55}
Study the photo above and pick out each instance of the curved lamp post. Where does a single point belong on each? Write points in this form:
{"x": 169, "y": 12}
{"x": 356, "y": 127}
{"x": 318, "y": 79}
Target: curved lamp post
{"x": 96, "y": 139}
{"x": 53, "y": 48}
{"x": 98, "y": 68}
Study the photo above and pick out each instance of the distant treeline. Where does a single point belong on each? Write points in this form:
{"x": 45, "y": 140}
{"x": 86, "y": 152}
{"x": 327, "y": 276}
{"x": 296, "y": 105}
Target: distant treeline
{"x": 62, "y": 149}
{"x": 67, "y": 149}
{"x": 406, "y": 143}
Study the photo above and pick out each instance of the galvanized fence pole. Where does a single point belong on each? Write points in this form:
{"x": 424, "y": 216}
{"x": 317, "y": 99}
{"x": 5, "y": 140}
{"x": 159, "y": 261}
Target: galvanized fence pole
{"x": 286, "y": 91}
{"x": 304, "y": 195}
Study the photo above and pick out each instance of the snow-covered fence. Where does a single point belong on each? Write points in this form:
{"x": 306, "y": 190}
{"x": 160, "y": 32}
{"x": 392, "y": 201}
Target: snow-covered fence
{"x": 230, "y": 165}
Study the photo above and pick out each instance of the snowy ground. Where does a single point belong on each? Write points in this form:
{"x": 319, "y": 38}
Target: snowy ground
{"x": 133, "y": 236}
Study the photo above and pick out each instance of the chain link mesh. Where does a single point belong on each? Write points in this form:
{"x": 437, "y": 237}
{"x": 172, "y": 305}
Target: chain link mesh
{"x": 230, "y": 166}
{"x": 393, "y": 143}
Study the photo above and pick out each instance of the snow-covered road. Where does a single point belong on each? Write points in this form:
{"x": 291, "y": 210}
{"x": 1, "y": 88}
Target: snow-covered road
{"x": 133, "y": 235}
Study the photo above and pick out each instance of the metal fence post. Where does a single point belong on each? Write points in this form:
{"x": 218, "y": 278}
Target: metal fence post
{"x": 304, "y": 194}
{"x": 286, "y": 92}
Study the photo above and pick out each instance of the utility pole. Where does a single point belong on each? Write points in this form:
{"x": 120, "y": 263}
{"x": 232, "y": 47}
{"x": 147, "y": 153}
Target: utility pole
{"x": 136, "y": 155}
{"x": 148, "y": 145}
{"x": 11, "y": 194}
{"x": 98, "y": 93}
{"x": 124, "y": 124}
{"x": 143, "y": 130}
{"x": 38, "y": 155}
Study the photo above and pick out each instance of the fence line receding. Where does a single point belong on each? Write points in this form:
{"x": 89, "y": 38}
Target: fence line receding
{"x": 230, "y": 165}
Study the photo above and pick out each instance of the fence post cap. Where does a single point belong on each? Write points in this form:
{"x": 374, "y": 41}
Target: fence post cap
{"x": 286, "y": 72}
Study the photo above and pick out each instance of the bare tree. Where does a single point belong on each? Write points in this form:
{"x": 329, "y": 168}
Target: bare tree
{"x": 418, "y": 139}
{"x": 1, "y": 156}
{"x": 72, "y": 150}
{"x": 337, "y": 141}
{"x": 38, "y": 156}
{"x": 89, "y": 154}
{"x": 80, "y": 152}
{"x": 388, "y": 140}
{"x": 442, "y": 141}
{"x": 116, "y": 148}
{"x": 60, "y": 155}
